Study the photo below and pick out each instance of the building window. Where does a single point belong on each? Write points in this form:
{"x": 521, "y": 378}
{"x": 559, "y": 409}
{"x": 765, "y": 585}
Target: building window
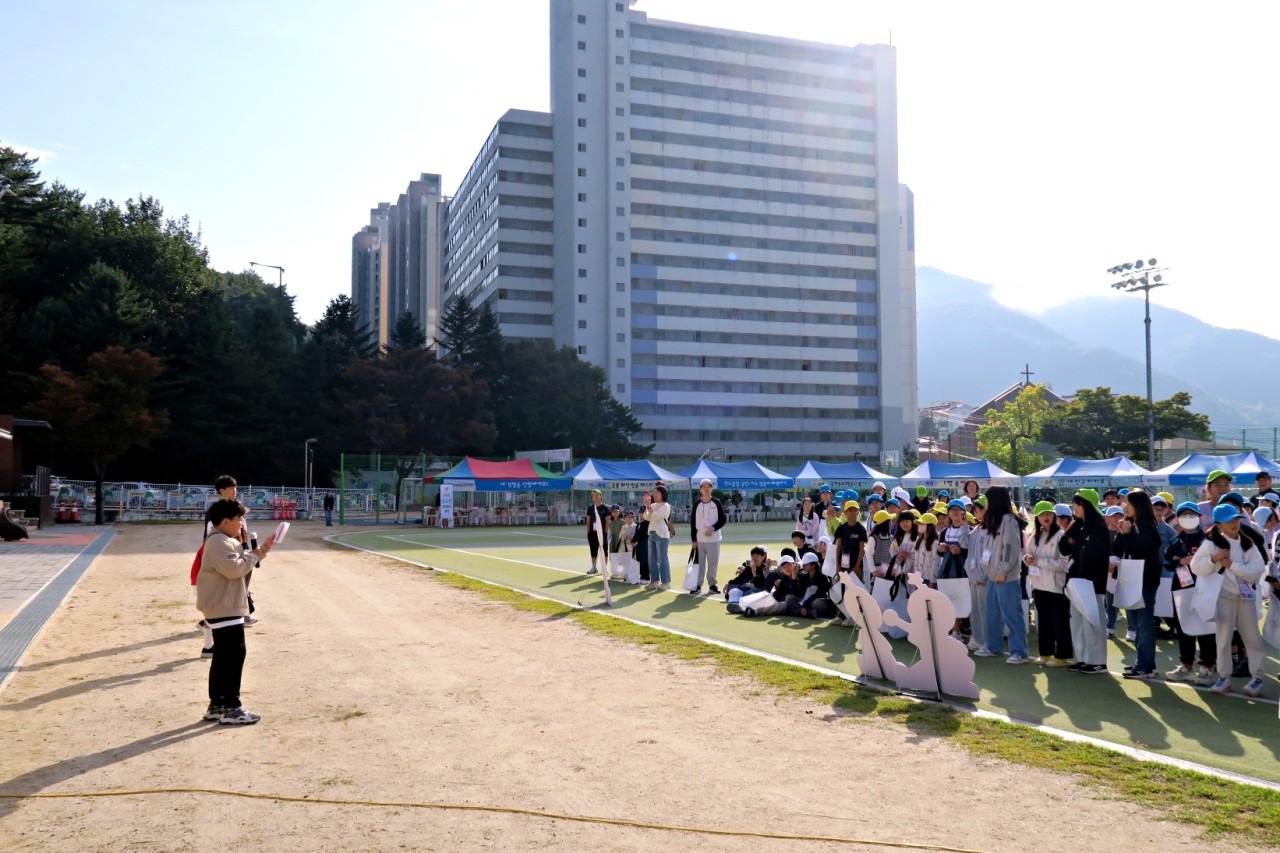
{"x": 620, "y": 186}
{"x": 582, "y": 273}
{"x": 617, "y": 60}
{"x": 619, "y": 111}
{"x": 620, "y": 236}
{"x": 582, "y": 45}
{"x": 619, "y": 87}
{"x": 582, "y": 19}
{"x": 620, "y": 211}
{"x": 582, "y": 248}
{"x": 582, "y": 172}
{"x": 582, "y": 122}
{"x": 621, "y": 312}
{"x": 618, "y": 33}
{"x": 582, "y": 297}
{"x": 622, "y": 362}
{"x": 582, "y": 99}
{"x": 582, "y": 223}
{"x": 622, "y": 387}
{"x": 582, "y": 324}
{"x": 582, "y": 350}
{"x": 582, "y": 196}
{"x": 619, "y": 161}
{"x": 502, "y": 294}
{"x": 618, "y": 137}
{"x": 582, "y": 72}
{"x": 621, "y": 262}
{"x": 582, "y": 147}
{"x": 621, "y": 287}
{"x": 622, "y": 337}
{"x": 617, "y": 7}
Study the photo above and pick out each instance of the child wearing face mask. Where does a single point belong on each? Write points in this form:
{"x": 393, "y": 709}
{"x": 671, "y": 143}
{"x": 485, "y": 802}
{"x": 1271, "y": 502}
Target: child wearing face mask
{"x": 1178, "y": 555}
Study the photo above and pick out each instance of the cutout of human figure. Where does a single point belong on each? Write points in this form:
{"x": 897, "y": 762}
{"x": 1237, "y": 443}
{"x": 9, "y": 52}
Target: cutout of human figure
{"x": 875, "y": 654}
{"x": 954, "y": 666}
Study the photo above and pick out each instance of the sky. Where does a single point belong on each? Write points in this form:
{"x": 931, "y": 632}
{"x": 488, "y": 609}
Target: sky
{"x": 1044, "y": 142}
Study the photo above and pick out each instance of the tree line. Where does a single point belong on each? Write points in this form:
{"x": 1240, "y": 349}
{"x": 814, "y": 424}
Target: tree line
{"x": 149, "y": 362}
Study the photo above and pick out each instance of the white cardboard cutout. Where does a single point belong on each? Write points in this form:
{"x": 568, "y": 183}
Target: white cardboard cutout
{"x": 954, "y": 666}
{"x": 875, "y": 654}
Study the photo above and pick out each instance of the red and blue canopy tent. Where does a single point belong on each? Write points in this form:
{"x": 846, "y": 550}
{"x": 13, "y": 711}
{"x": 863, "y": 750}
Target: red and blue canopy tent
{"x": 518, "y": 475}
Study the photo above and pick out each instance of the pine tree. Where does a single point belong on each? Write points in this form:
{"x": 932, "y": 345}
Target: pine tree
{"x": 407, "y": 334}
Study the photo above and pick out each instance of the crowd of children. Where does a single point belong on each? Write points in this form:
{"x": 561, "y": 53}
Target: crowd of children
{"x": 1060, "y": 561}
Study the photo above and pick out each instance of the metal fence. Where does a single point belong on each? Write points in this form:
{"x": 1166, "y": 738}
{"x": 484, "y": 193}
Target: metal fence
{"x": 140, "y": 501}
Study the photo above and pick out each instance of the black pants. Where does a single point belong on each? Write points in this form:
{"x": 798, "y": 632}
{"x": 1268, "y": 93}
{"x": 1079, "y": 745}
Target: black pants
{"x": 593, "y": 542}
{"x": 227, "y": 666}
{"x": 1052, "y": 625}
{"x": 1187, "y": 647}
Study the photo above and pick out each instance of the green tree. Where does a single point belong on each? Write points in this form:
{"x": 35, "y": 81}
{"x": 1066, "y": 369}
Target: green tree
{"x": 1008, "y": 437}
{"x": 548, "y": 397}
{"x": 1098, "y": 424}
{"x": 470, "y": 334}
{"x": 407, "y": 334}
{"x": 107, "y": 411}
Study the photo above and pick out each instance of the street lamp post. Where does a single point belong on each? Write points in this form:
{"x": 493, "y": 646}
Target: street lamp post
{"x": 1144, "y": 276}
{"x": 306, "y": 471}
{"x": 279, "y": 270}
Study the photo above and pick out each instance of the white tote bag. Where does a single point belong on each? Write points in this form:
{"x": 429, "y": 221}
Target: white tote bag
{"x": 1164, "y": 599}
{"x": 1204, "y": 597}
{"x": 633, "y": 570}
{"x": 691, "y": 576}
{"x": 1271, "y": 627}
{"x": 1188, "y": 619}
{"x": 957, "y": 589}
{"x": 618, "y": 563}
{"x": 1084, "y": 600}
{"x": 1129, "y": 589}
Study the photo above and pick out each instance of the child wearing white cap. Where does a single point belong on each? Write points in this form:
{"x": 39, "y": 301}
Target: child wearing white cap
{"x": 1241, "y": 564}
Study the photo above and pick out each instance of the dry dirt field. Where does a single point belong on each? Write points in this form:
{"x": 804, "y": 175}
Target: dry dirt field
{"x": 377, "y": 682}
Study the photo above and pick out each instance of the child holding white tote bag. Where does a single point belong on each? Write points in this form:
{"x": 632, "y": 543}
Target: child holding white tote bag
{"x": 1241, "y": 564}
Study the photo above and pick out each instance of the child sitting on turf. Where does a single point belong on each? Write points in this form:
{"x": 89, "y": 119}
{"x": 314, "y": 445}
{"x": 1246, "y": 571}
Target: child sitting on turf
{"x": 222, "y": 599}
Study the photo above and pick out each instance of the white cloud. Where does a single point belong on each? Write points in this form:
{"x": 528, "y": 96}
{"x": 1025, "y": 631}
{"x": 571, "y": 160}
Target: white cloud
{"x": 38, "y": 153}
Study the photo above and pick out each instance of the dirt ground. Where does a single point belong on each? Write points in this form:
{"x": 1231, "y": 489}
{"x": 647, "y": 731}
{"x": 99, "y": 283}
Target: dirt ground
{"x": 376, "y": 682}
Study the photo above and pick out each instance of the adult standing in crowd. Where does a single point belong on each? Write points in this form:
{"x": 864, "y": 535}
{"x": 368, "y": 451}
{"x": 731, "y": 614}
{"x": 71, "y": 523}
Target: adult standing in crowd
{"x": 1088, "y": 543}
{"x": 328, "y": 509}
{"x": 809, "y": 521}
{"x": 1046, "y": 570}
{"x": 597, "y": 531}
{"x": 658, "y": 513}
{"x": 1002, "y": 563}
{"x": 705, "y": 523}
{"x": 1139, "y": 539}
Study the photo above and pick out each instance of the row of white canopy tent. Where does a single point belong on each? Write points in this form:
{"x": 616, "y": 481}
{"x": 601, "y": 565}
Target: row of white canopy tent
{"x": 1065, "y": 473}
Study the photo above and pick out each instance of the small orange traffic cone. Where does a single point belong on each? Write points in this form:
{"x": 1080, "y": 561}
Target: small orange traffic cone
{"x": 75, "y": 513}
{"x": 62, "y": 512}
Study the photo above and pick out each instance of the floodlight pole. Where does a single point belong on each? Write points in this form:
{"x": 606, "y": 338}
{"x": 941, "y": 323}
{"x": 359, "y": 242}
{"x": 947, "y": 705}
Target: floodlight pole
{"x": 1144, "y": 279}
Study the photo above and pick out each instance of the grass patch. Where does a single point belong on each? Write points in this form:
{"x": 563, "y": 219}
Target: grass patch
{"x": 1217, "y": 806}
{"x": 169, "y": 605}
{"x": 344, "y": 714}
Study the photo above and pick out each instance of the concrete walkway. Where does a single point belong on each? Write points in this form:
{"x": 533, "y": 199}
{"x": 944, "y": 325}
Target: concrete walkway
{"x": 35, "y": 576}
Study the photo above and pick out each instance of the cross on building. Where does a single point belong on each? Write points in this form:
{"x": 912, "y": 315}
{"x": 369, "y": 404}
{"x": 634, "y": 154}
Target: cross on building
{"x": 1028, "y": 374}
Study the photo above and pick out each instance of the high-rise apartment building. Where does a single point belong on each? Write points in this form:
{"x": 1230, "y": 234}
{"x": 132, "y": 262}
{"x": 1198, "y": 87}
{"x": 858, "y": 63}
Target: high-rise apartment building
{"x": 497, "y": 244}
{"x": 714, "y": 218}
{"x": 729, "y": 234}
{"x": 409, "y": 250}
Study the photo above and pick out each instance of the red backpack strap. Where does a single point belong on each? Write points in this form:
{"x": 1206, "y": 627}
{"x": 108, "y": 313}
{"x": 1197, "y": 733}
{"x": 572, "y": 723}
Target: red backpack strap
{"x": 195, "y": 564}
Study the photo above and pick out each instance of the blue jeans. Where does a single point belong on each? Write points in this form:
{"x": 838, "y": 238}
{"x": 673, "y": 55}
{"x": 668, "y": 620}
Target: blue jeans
{"x": 659, "y": 564}
{"x": 328, "y": 518}
{"x": 1004, "y": 609}
{"x": 1145, "y": 625}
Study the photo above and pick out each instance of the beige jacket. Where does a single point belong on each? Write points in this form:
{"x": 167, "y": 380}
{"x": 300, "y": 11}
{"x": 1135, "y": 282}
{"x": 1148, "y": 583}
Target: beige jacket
{"x": 220, "y": 591}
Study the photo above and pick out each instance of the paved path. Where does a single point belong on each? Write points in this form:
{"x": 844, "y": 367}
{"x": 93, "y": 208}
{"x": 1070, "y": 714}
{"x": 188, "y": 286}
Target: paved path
{"x": 35, "y": 576}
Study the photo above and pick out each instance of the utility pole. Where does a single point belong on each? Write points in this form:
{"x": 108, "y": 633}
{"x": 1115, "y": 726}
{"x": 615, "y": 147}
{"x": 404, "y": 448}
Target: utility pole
{"x": 1144, "y": 276}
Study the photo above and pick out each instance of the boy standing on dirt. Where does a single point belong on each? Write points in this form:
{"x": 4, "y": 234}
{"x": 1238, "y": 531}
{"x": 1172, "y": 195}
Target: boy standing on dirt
{"x": 222, "y": 598}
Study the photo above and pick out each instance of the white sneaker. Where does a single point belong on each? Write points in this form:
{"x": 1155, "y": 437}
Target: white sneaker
{"x": 1253, "y": 688}
{"x": 1222, "y": 685}
{"x": 1016, "y": 660}
{"x": 983, "y": 653}
{"x": 974, "y": 645}
{"x": 663, "y": 587}
{"x": 1132, "y": 636}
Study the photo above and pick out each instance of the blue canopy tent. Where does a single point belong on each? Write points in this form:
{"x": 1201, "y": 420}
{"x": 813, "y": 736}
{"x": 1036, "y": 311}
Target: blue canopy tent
{"x": 1084, "y": 473}
{"x": 520, "y": 475}
{"x": 952, "y": 475}
{"x": 840, "y": 475}
{"x": 736, "y": 475}
{"x": 1192, "y": 470}
{"x": 624, "y": 476}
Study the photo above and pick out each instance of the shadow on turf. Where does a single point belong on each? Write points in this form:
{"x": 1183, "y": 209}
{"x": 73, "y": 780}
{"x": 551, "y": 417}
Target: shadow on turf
{"x": 34, "y": 781}
{"x": 108, "y": 652}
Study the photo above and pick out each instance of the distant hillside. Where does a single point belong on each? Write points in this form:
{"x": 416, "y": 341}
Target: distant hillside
{"x": 1084, "y": 343}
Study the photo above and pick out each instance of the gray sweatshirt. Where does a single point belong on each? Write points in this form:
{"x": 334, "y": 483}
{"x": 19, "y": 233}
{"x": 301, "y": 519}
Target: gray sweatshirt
{"x": 1006, "y": 551}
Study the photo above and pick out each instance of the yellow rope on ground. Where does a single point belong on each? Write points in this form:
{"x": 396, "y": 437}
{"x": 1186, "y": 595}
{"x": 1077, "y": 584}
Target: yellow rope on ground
{"x": 902, "y": 845}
